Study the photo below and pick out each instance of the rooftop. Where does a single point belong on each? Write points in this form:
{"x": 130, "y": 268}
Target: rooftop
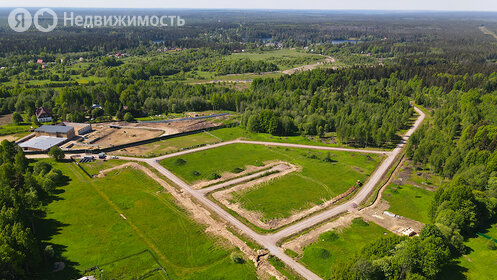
{"x": 54, "y": 129}
{"x": 42, "y": 142}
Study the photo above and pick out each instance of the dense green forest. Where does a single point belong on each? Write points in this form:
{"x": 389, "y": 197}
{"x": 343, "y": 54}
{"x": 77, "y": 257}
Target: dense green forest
{"x": 23, "y": 190}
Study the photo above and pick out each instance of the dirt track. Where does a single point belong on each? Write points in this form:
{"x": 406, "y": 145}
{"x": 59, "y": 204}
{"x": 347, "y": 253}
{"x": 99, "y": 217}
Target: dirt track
{"x": 269, "y": 241}
{"x": 202, "y": 216}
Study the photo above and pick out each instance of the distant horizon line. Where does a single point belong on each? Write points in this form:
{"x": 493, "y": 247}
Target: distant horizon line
{"x": 262, "y": 9}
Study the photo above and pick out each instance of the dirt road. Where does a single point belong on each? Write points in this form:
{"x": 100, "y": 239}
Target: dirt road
{"x": 270, "y": 241}
{"x": 328, "y": 59}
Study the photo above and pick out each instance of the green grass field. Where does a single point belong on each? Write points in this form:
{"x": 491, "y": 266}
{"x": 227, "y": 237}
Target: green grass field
{"x": 14, "y": 129}
{"x": 85, "y": 227}
{"x": 284, "y": 58}
{"x": 333, "y": 247}
{"x": 169, "y": 145}
{"x": 232, "y": 133}
{"x": 409, "y": 201}
{"x": 318, "y": 180}
{"x": 479, "y": 264}
{"x": 93, "y": 168}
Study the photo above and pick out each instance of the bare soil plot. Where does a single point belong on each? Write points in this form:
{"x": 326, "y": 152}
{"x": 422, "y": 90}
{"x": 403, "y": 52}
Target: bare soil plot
{"x": 378, "y": 216}
{"x": 5, "y": 119}
{"x": 8, "y": 138}
{"x": 108, "y": 137}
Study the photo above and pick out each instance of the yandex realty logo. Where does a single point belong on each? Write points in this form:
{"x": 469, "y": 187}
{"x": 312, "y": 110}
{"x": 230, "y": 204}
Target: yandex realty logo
{"x": 20, "y": 20}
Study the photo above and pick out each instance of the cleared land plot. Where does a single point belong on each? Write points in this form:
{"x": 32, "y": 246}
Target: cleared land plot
{"x": 5, "y": 119}
{"x": 480, "y": 263}
{"x": 335, "y": 247}
{"x": 318, "y": 181}
{"x": 85, "y": 226}
{"x": 284, "y": 58}
{"x": 409, "y": 201}
{"x": 113, "y": 137}
{"x": 169, "y": 145}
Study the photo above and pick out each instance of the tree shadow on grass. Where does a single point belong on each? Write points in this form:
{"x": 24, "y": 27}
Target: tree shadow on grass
{"x": 453, "y": 271}
{"x": 45, "y": 229}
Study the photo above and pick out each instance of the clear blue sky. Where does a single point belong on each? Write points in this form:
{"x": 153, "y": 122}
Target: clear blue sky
{"x": 450, "y": 5}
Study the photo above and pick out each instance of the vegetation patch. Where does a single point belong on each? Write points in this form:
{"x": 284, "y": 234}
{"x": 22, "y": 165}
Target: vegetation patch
{"x": 126, "y": 212}
{"x": 332, "y": 247}
{"x": 479, "y": 263}
{"x": 169, "y": 145}
{"x": 318, "y": 181}
{"x": 409, "y": 201}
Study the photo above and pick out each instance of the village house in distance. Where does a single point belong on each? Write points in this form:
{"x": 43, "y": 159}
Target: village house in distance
{"x": 43, "y": 115}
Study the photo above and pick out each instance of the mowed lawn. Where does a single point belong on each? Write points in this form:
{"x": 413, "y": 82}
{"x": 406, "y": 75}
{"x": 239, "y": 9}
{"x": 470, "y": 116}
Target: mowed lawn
{"x": 84, "y": 224}
{"x": 317, "y": 181}
{"x": 409, "y": 201}
{"x": 479, "y": 264}
{"x": 335, "y": 247}
{"x": 169, "y": 145}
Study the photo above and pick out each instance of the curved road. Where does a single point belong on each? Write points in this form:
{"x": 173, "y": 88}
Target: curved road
{"x": 269, "y": 241}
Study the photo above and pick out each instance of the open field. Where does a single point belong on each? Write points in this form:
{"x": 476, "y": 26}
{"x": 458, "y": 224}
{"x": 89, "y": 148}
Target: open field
{"x": 14, "y": 129}
{"x": 5, "y": 119}
{"x": 86, "y": 225}
{"x": 479, "y": 264}
{"x": 334, "y": 247}
{"x": 108, "y": 137}
{"x": 93, "y": 168}
{"x": 169, "y": 145}
{"x": 284, "y": 58}
{"x": 318, "y": 180}
{"x": 409, "y": 201}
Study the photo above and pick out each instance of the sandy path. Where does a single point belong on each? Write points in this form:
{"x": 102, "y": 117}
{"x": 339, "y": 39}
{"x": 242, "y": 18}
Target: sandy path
{"x": 202, "y": 216}
{"x": 277, "y": 168}
{"x": 270, "y": 241}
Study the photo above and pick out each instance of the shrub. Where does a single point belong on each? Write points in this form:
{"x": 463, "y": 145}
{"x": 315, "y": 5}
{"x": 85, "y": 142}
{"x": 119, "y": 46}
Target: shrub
{"x": 329, "y": 236}
{"x": 359, "y": 222}
{"x": 42, "y": 168}
{"x": 214, "y": 176}
{"x": 180, "y": 161}
{"x": 48, "y": 185}
{"x": 17, "y": 118}
{"x": 56, "y": 153}
{"x": 49, "y": 252}
{"x": 236, "y": 257}
{"x": 491, "y": 245}
{"x": 128, "y": 117}
{"x": 237, "y": 170}
{"x": 324, "y": 254}
{"x": 55, "y": 175}
{"x": 196, "y": 173}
